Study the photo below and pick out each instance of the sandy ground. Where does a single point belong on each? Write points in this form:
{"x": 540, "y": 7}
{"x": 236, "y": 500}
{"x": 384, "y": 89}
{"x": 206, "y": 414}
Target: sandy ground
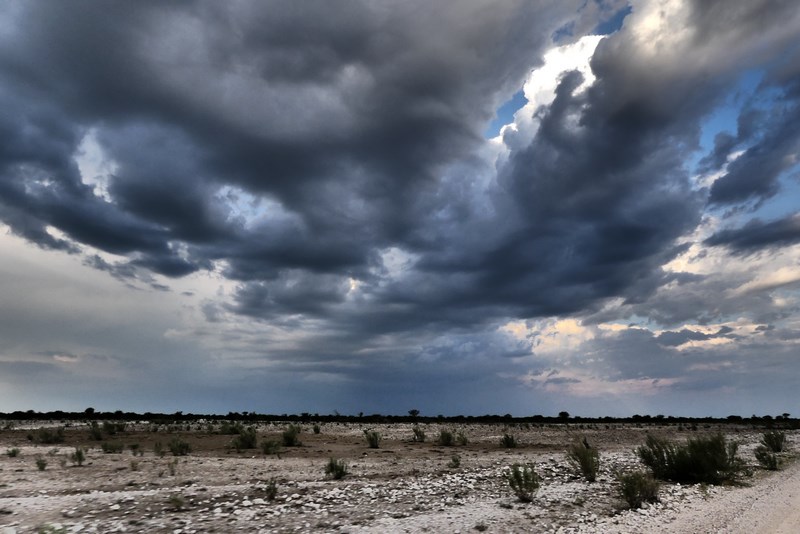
{"x": 402, "y": 486}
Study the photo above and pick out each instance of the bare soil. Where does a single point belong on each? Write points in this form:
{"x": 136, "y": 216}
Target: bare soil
{"x": 402, "y": 486}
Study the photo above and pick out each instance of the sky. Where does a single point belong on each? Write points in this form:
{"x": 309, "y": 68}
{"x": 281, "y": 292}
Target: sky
{"x": 460, "y": 207}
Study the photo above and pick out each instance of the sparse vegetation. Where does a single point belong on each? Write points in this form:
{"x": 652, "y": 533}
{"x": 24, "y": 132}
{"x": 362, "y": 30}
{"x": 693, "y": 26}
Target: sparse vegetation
{"x": 78, "y": 457}
{"x": 290, "y": 436}
{"x": 41, "y": 463}
{"x": 158, "y": 449}
{"x": 316, "y": 428}
{"x": 12, "y": 453}
{"x": 271, "y": 489}
{"x": 524, "y": 481}
{"x": 455, "y": 462}
{"x": 445, "y": 438}
{"x": 270, "y": 447}
{"x": 462, "y": 439}
{"x": 419, "y": 434}
{"x": 179, "y": 447}
{"x": 111, "y": 447}
{"x": 177, "y": 502}
{"x": 766, "y": 458}
{"x": 373, "y": 438}
{"x": 709, "y": 460}
{"x": 246, "y": 439}
{"x": 638, "y": 488}
{"x": 585, "y": 458}
{"x": 774, "y": 440}
{"x": 94, "y": 431}
{"x": 47, "y": 436}
{"x": 336, "y": 469}
{"x": 508, "y": 441}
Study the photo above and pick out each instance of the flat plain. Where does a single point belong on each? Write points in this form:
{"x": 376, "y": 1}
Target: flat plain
{"x": 403, "y": 485}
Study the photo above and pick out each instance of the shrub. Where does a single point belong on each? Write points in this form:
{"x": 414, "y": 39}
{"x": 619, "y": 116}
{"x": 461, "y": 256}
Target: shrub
{"x": 111, "y": 448}
{"x": 774, "y": 440}
{"x": 585, "y": 458}
{"x": 523, "y": 481}
{"x": 230, "y": 429}
{"x": 12, "y": 453}
{"x": 290, "y": 436}
{"x": 177, "y": 502}
{"x": 178, "y": 447}
{"x": 270, "y": 447}
{"x": 112, "y": 428}
{"x": 41, "y": 463}
{"x": 445, "y": 438}
{"x": 271, "y": 490}
{"x": 373, "y": 438}
{"x": 317, "y": 429}
{"x": 158, "y": 449}
{"x": 767, "y": 458}
{"x": 707, "y": 460}
{"x": 47, "y": 436}
{"x": 136, "y": 449}
{"x": 419, "y": 434}
{"x": 336, "y": 469}
{"x": 508, "y": 441}
{"x": 78, "y": 457}
{"x": 638, "y": 488}
{"x": 455, "y": 462}
{"x": 461, "y": 439}
{"x": 94, "y": 431}
{"x": 246, "y": 439}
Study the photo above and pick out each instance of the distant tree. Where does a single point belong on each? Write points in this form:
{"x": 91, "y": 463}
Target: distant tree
{"x": 89, "y": 411}
{"x": 563, "y": 415}
{"x": 413, "y": 413}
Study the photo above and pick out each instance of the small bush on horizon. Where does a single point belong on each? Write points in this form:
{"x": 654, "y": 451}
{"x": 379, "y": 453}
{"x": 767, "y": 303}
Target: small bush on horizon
{"x": 774, "y": 440}
{"x": 419, "y": 434}
{"x": 290, "y": 436}
{"x": 524, "y": 481}
{"x": 373, "y": 438}
{"x": 508, "y": 441}
{"x": 585, "y": 458}
{"x": 638, "y": 488}
{"x": 336, "y": 469}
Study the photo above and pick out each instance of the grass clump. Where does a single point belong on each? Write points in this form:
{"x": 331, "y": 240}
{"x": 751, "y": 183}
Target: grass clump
{"x": 179, "y": 447}
{"x": 317, "y": 429}
{"x": 446, "y": 438}
{"x": 291, "y": 437}
{"x": 766, "y": 458}
{"x": 455, "y": 462}
{"x": 373, "y": 438}
{"x": 336, "y": 469}
{"x": 638, "y": 488}
{"x": 269, "y": 446}
{"x": 508, "y": 441}
{"x": 246, "y": 439}
{"x": 709, "y": 460}
{"x": 419, "y": 434}
{"x": 41, "y": 463}
{"x": 12, "y": 453}
{"x": 774, "y": 440}
{"x": 111, "y": 448}
{"x": 78, "y": 457}
{"x": 462, "y": 439}
{"x": 585, "y": 458}
{"x": 524, "y": 481}
{"x": 271, "y": 489}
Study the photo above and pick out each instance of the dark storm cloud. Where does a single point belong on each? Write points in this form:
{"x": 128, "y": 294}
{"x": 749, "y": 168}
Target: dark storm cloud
{"x": 757, "y": 235}
{"x": 674, "y": 339}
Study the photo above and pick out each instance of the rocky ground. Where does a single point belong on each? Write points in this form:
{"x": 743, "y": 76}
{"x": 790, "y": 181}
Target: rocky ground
{"x": 402, "y": 486}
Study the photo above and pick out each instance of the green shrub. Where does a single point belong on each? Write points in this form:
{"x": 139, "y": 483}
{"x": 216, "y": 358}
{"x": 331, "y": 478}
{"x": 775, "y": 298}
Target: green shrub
{"x": 41, "y": 463}
{"x": 419, "y": 434}
{"x": 707, "y": 460}
{"x": 111, "y": 448}
{"x": 94, "y": 431}
{"x": 774, "y": 440}
{"x": 508, "y": 441}
{"x": 317, "y": 429}
{"x": 290, "y": 436}
{"x": 638, "y": 488}
{"x": 373, "y": 438}
{"x": 767, "y": 458}
{"x": 111, "y": 428}
{"x": 445, "y": 438}
{"x": 47, "y": 436}
{"x": 12, "y": 453}
{"x": 270, "y": 447}
{"x": 178, "y": 447}
{"x": 585, "y": 458}
{"x": 271, "y": 489}
{"x": 246, "y": 439}
{"x": 455, "y": 462}
{"x": 230, "y": 429}
{"x": 336, "y": 469}
{"x": 524, "y": 481}
{"x": 462, "y": 439}
{"x": 78, "y": 457}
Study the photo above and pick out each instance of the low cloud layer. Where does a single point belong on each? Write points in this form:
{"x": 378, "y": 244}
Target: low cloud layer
{"x": 307, "y": 197}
